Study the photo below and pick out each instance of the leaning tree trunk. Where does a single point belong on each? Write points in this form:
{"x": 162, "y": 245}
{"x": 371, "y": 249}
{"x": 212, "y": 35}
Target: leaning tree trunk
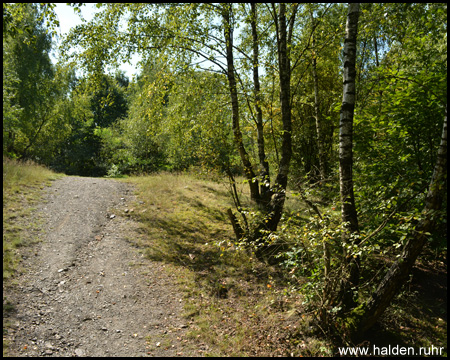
{"x": 399, "y": 271}
{"x": 348, "y": 208}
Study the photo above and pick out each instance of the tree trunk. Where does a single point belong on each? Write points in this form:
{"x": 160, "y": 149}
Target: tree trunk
{"x": 279, "y": 189}
{"x": 348, "y": 208}
{"x": 237, "y": 228}
{"x": 265, "y": 191}
{"x": 274, "y": 202}
{"x": 322, "y": 169}
{"x": 399, "y": 271}
{"x": 248, "y": 169}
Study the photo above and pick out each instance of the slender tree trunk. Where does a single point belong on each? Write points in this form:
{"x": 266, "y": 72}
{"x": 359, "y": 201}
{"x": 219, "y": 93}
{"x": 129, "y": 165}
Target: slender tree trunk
{"x": 265, "y": 191}
{"x": 377, "y": 63}
{"x": 248, "y": 169}
{"x": 237, "y": 204}
{"x": 348, "y": 209}
{"x": 316, "y": 104}
{"x": 31, "y": 141}
{"x": 272, "y": 132}
{"x": 399, "y": 271}
{"x": 279, "y": 190}
{"x": 274, "y": 207}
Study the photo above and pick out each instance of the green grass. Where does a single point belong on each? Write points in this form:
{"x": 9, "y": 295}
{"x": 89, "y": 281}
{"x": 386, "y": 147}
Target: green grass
{"x": 22, "y": 185}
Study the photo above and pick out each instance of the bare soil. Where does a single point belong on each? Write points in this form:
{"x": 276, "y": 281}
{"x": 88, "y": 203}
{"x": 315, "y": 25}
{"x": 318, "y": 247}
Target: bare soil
{"x": 84, "y": 289}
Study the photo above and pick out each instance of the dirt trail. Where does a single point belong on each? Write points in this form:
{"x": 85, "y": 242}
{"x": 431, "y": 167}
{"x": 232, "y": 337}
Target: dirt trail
{"x": 87, "y": 291}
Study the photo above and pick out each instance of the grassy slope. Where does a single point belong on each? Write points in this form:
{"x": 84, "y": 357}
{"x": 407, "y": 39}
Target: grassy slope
{"x": 238, "y": 306}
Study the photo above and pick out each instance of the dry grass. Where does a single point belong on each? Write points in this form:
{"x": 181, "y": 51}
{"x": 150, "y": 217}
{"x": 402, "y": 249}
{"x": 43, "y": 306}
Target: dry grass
{"x": 237, "y": 306}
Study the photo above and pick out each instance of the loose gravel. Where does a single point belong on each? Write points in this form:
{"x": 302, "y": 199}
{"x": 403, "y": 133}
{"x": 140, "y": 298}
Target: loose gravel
{"x": 85, "y": 290}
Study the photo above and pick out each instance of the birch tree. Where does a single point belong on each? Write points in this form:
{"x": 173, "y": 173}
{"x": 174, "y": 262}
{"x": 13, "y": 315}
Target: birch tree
{"x": 348, "y": 208}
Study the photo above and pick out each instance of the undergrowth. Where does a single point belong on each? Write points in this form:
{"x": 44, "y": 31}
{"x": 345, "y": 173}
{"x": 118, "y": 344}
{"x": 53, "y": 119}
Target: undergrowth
{"x": 235, "y": 304}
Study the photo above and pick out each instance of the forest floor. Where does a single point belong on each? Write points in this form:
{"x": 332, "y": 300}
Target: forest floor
{"x": 85, "y": 290}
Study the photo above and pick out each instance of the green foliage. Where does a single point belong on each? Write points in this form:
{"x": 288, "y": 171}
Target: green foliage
{"x": 11, "y": 110}
{"x": 113, "y": 171}
{"x": 90, "y": 110}
{"x": 197, "y": 123}
{"x": 134, "y": 142}
{"x": 328, "y": 34}
{"x": 305, "y": 259}
{"x": 176, "y": 121}
{"x": 30, "y": 89}
{"x": 399, "y": 122}
{"x": 14, "y": 15}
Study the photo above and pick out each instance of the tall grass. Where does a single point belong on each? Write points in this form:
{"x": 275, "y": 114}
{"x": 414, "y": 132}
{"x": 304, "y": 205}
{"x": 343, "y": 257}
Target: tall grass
{"x": 27, "y": 173}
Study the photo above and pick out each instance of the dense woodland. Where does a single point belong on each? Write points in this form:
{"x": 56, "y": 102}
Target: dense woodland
{"x": 344, "y": 106}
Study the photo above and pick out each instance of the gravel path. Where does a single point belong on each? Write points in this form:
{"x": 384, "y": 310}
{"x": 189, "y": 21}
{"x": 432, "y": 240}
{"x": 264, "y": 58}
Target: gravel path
{"x": 86, "y": 291}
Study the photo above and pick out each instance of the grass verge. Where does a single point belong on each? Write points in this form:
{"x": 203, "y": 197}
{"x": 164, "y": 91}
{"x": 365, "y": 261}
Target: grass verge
{"x": 22, "y": 185}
